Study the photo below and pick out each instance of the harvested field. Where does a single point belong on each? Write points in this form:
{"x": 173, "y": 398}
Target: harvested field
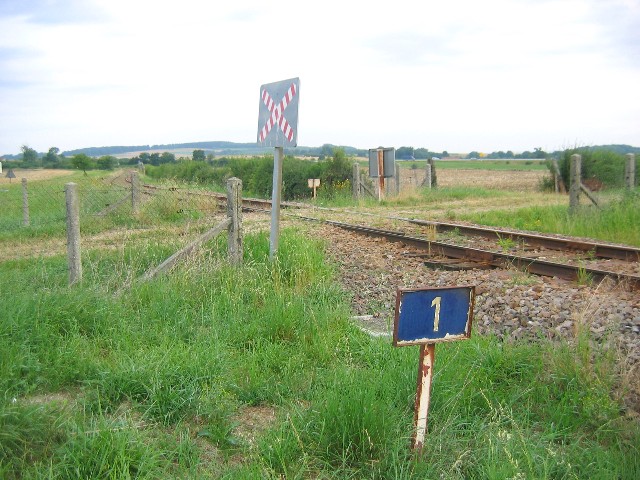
{"x": 523, "y": 180}
{"x": 34, "y": 175}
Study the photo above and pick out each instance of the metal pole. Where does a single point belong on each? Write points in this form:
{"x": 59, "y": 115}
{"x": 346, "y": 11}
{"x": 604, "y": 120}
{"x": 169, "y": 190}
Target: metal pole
{"x": 25, "y": 203}
{"x": 73, "y": 233}
{"x": 275, "y": 201}
{"x": 423, "y": 394}
{"x": 380, "y": 175}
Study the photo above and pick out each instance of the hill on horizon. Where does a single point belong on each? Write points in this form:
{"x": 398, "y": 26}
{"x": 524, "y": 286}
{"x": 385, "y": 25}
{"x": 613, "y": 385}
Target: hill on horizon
{"x": 222, "y": 148}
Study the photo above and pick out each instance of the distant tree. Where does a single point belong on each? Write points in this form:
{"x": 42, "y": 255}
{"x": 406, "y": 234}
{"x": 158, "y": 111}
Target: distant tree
{"x": 338, "y": 168}
{"x": 326, "y": 150}
{"x": 81, "y": 161}
{"x": 51, "y": 157}
{"x": 422, "y": 153}
{"x": 473, "y": 154}
{"x": 199, "y": 156}
{"x": 445, "y": 154}
{"x": 154, "y": 159}
{"x": 106, "y": 162}
{"x": 404, "y": 153}
{"x": 539, "y": 153}
{"x": 144, "y": 157}
{"x": 167, "y": 157}
{"x": 29, "y": 155}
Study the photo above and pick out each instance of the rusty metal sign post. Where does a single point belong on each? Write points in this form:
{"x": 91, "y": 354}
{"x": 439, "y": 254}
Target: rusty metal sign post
{"x": 426, "y": 316}
{"x": 382, "y": 165}
{"x": 278, "y": 128}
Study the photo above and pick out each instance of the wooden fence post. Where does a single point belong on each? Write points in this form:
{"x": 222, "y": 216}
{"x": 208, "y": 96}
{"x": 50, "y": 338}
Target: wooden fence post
{"x": 25, "y": 203}
{"x": 630, "y": 171}
{"x": 575, "y": 173}
{"x": 73, "y": 233}
{"x": 234, "y": 212}
{"x": 356, "y": 181}
{"x": 135, "y": 192}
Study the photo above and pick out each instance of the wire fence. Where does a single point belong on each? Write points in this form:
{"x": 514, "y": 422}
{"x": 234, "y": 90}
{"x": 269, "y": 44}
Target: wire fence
{"x": 32, "y": 206}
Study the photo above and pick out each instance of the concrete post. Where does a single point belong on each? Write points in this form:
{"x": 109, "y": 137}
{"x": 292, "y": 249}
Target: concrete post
{"x": 575, "y": 174}
{"x": 630, "y": 171}
{"x": 234, "y": 212}
{"x": 556, "y": 175}
{"x": 434, "y": 179}
{"x": 397, "y": 182}
{"x": 135, "y": 192}
{"x": 25, "y": 203}
{"x": 356, "y": 181}
{"x": 427, "y": 175}
{"x": 73, "y": 233}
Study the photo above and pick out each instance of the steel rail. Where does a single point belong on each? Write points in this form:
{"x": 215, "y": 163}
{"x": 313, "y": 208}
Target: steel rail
{"x": 600, "y": 250}
{"x": 500, "y": 260}
{"x": 597, "y": 249}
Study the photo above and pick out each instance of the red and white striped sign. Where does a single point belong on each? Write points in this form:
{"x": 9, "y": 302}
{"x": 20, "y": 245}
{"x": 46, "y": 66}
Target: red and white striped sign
{"x": 277, "y": 113}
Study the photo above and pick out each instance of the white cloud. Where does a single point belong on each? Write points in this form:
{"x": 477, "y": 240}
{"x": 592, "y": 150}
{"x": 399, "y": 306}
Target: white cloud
{"x": 460, "y": 75}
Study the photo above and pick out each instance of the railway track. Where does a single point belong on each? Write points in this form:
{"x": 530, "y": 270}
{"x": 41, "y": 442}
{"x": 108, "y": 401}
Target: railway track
{"x": 473, "y": 257}
{"x": 480, "y": 258}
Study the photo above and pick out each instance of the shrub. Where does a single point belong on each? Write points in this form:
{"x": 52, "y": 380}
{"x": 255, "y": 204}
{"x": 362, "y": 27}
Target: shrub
{"x": 603, "y": 166}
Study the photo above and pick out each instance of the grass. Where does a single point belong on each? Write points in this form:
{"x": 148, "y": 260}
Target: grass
{"x": 616, "y": 222}
{"x": 155, "y": 381}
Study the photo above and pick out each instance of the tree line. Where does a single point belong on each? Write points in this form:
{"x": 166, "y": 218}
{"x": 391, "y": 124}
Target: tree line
{"x": 256, "y": 174}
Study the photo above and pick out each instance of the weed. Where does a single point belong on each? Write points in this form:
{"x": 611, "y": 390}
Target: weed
{"x": 506, "y": 243}
{"x": 583, "y": 277}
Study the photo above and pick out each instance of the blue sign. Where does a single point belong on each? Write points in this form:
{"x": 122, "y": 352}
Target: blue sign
{"x": 432, "y": 315}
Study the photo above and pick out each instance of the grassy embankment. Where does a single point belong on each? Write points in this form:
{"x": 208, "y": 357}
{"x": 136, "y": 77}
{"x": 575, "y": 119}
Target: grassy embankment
{"x": 256, "y": 373}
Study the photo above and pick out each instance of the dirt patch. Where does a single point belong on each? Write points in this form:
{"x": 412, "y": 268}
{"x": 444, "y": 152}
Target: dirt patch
{"x": 251, "y": 421}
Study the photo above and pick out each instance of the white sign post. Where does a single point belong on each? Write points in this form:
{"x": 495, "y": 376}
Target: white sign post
{"x": 278, "y": 127}
{"x": 313, "y": 183}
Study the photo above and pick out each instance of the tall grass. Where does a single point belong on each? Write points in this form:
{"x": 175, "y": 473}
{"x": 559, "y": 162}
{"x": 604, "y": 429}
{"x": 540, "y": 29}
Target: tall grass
{"x": 616, "y": 222}
{"x": 154, "y": 381}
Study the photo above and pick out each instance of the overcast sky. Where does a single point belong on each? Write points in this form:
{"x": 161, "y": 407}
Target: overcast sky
{"x": 456, "y": 75}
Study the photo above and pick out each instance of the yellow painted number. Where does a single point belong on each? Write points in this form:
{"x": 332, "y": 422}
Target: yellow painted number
{"x": 436, "y": 319}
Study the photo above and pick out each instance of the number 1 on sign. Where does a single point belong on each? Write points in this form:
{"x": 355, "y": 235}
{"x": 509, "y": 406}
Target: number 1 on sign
{"x": 436, "y": 318}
